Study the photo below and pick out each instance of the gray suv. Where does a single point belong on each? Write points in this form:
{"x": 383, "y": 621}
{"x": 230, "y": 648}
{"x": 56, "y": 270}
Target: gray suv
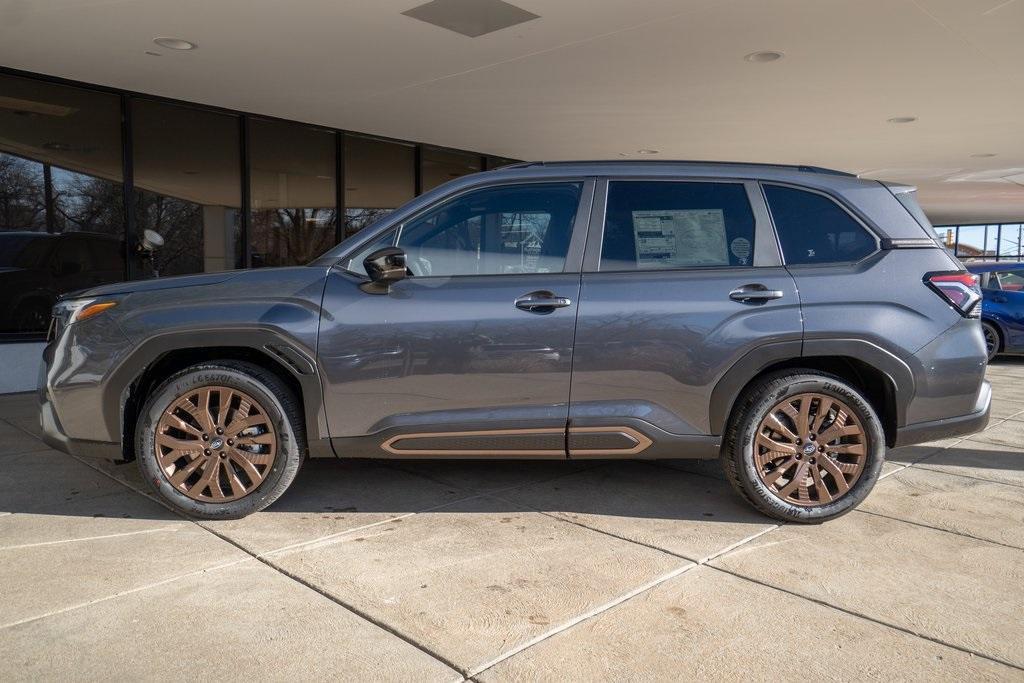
{"x": 793, "y": 322}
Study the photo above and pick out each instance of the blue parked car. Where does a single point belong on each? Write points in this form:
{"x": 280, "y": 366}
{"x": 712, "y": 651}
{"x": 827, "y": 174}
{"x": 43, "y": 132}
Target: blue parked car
{"x": 1002, "y": 308}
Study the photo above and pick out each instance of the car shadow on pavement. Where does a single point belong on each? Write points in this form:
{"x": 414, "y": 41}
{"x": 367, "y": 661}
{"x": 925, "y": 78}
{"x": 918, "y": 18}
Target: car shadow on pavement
{"x": 51, "y": 483}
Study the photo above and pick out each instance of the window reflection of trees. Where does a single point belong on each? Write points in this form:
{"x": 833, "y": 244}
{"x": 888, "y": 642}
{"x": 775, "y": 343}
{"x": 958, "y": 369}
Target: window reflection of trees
{"x": 290, "y": 236}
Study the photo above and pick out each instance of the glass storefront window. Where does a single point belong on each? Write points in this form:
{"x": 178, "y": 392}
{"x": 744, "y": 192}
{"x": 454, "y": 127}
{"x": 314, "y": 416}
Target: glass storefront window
{"x": 292, "y": 187}
{"x": 61, "y": 197}
{"x": 1010, "y": 240}
{"x": 188, "y": 186}
{"x": 379, "y": 177}
{"x": 441, "y": 165}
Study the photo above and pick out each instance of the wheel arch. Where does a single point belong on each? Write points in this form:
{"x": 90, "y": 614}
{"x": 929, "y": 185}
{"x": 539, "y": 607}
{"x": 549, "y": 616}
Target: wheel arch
{"x": 886, "y": 382}
{"x": 159, "y": 358}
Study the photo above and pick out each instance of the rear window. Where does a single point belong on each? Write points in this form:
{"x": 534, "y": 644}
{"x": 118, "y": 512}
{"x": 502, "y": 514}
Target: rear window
{"x": 813, "y": 229}
{"x": 656, "y": 225}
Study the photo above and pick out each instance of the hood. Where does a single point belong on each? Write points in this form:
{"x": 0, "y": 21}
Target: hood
{"x": 156, "y": 284}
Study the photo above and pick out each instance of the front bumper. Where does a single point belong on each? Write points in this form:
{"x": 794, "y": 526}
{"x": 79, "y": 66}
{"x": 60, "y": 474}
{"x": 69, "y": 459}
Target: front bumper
{"x": 972, "y": 422}
{"x": 54, "y": 436}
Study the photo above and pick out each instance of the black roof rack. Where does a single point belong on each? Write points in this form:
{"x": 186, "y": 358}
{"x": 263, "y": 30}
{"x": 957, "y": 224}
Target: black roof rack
{"x": 797, "y": 167}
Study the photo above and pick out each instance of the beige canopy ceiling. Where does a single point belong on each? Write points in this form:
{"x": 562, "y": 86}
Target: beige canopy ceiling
{"x": 596, "y": 78}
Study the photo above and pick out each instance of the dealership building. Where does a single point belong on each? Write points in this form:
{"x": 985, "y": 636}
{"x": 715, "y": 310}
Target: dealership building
{"x": 148, "y": 139}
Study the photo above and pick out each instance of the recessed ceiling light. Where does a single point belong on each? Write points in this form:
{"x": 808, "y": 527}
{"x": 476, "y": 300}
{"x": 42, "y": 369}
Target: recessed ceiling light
{"x": 175, "y": 43}
{"x": 983, "y": 155}
{"x": 647, "y": 151}
{"x": 902, "y": 119}
{"x": 764, "y": 56}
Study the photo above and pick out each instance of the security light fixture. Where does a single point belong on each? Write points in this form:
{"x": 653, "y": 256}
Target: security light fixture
{"x": 175, "y": 43}
{"x": 902, "y": 119}
{"x": 471, "y": 18}
{"x": 764, "y": 56}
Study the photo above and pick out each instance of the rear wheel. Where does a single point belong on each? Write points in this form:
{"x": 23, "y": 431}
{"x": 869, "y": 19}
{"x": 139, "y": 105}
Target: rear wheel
{"x": 220, "y": 440}
{"x": 993, "y": 342}
{"x": 803, "y": 446}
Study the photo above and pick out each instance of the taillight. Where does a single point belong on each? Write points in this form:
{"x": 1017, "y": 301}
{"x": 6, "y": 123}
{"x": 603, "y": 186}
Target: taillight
{"x": 959, "y": 289}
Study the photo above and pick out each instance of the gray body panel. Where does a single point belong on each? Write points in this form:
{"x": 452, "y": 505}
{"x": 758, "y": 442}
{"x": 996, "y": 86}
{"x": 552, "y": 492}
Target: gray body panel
{"x": 641, "y": 364}
{"x": 441, "y": 353}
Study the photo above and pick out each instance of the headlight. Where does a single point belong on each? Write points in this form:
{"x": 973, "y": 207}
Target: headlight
{"x": 73, "y": 310}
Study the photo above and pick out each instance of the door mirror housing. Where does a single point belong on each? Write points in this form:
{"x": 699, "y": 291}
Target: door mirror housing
{"x": 385, "y": 267}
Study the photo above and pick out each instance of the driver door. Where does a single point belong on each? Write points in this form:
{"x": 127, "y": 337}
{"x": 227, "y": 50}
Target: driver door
{"x": 469, "y": 355}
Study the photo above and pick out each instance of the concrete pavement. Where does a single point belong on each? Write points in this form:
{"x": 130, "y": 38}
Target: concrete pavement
{"x": 517, "y": 571}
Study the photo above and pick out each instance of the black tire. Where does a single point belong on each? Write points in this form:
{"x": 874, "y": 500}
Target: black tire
{"x": 753, "y": 406}
{"x": 993, "y": 339}
{"x": 273, "y": 396}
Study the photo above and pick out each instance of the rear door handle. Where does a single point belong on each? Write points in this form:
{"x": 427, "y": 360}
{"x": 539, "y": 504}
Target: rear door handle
{"x": 754, "y": 294}
{"x": 541, "y": 301}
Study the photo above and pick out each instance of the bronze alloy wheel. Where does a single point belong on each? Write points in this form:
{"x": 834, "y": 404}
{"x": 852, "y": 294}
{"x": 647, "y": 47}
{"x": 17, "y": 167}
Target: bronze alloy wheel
{"x": 810, "y": 449}
{"x": 215, "y": 444}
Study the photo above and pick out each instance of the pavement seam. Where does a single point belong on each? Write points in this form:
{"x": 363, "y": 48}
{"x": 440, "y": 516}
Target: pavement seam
{"x": 120, "y": 594}
{"x": 264, "y": 561}
{"x": 936, "y": 528}
{"x": 341, "y": 603}
{"x": 615, "y": 602}
{"x": 860, "y": 615}
{"x": 934, "y": 468}
{"x": 324, "y": 541}
{"x": 88, "y": 538}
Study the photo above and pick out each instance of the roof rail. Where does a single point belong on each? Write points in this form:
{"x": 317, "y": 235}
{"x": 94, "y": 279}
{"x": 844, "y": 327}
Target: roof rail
{"x": 798, "y": 167}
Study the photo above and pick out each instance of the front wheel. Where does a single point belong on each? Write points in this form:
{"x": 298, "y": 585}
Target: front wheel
{"x": 220, "y": 440}
{"x": 803, "y": 446}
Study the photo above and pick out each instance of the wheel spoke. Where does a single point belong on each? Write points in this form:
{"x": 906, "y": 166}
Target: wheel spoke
{"x": 835, "y": 471}
{"x": 819, "y": 486}
{"x": 798, "y": 479}
{"x": 241, "y": 424}
{"x": 179, "y": 476}
{"x": 774, "y": 445}
{"x": 776, "y": 425}
{"x": 824, "y": 406}
{"x": 773, "y": 476}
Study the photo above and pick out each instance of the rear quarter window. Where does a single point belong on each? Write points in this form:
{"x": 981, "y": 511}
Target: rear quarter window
{"x": 814, "y": 229}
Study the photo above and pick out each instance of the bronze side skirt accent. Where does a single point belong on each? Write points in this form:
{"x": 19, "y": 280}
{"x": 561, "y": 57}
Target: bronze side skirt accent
{"x": 390, "y": 444}
{"x": 641, "y": 442}
{"x": 637, "y": 442}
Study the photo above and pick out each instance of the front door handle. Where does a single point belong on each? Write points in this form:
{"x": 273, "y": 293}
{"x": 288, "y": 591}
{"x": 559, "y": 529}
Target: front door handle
{"x": 754, "y": 294}
{"x": 541, "y": 301}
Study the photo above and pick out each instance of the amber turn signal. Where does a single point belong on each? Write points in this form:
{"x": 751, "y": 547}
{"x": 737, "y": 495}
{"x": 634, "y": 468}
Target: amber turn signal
{"x": 94, "y": 309}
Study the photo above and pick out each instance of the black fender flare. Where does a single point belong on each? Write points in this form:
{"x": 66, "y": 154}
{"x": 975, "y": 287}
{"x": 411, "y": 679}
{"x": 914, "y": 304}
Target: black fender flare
{"x": 727, "y": 390}
{"x": 286, "y": 352}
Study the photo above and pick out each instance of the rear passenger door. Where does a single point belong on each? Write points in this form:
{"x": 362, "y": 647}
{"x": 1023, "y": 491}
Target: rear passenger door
{"x": 682, "y": 280}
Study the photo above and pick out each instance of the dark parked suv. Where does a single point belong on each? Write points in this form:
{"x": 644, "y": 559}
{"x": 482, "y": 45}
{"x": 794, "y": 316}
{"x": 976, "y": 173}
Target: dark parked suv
{"x": 792, "y": 321}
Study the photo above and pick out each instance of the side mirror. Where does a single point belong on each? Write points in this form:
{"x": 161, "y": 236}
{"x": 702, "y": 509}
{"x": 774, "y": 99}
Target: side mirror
{"x": 385, "y": 267}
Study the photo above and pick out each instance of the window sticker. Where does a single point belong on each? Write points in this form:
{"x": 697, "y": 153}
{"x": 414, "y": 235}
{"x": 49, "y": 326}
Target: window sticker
{"x": 680, "y": 237}
{"x": 740, "y": 248}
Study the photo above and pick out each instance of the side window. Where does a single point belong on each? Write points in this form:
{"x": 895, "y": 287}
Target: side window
{"x": 814, "y": 229}
{"x": 494, "y": 231}
{"x": 509, "y": 229}
{"x": 657, "y": 225}
{"x": 1010, "y": 281}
